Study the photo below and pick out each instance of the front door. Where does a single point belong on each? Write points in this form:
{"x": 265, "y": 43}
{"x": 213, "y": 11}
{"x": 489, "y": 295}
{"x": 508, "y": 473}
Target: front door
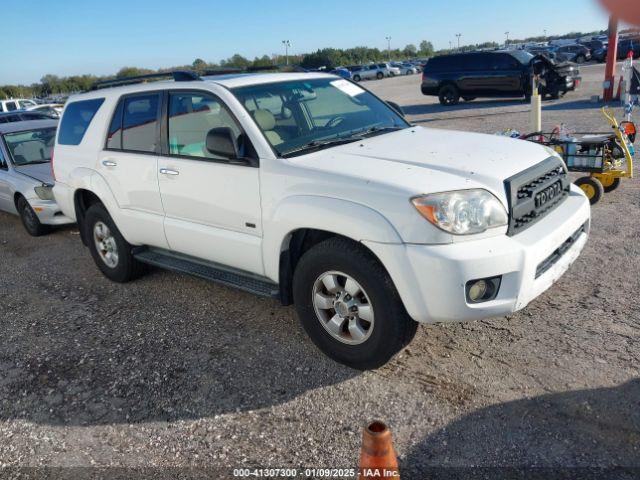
{"x": 6, "y": 198}
{"x": 211, "y": 203}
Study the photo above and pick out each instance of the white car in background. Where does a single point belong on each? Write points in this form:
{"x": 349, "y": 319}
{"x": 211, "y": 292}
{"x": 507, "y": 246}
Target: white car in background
{"x": 16, "y": 104}
{"x": 389, "y": 70}
{"x": 52, "y": 109}
{"x": 407, "y": 69}
{"x": 25, "y": 174}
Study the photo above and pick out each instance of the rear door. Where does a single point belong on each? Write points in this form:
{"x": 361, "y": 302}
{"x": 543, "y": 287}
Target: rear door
{"x": 129, "y": 164}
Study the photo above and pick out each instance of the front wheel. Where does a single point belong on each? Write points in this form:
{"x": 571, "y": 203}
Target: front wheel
{"x": 110, "y": 251}
{"x": 581, "y": 59}
{"x": 30, "y": 220}
{"x": 380, "y": 75}
{"x": 592, "y": 188}
{"x": 349, "y": 306}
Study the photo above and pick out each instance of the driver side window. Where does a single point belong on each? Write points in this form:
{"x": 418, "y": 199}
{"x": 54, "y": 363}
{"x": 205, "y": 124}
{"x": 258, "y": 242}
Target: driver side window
{"x": 191, "y": 117}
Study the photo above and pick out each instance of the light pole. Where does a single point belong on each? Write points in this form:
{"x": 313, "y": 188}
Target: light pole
{"x": 450, "y": 45}
{"x": 545, "y": 33}
{"x": 286, "y": 44}
{"x": 507, "y": 34}
{"x": 388, "y": 47}
{"x": 458, "y": 35}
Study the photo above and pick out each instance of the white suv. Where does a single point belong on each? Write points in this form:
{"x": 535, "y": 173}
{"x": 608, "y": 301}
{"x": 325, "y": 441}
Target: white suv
{"x": 308, "y": 188}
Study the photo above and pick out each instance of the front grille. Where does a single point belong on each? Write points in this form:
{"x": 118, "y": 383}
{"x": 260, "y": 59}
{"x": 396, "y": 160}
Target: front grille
{"x": 552, "y": 259}
{"x": 534, "y": 193}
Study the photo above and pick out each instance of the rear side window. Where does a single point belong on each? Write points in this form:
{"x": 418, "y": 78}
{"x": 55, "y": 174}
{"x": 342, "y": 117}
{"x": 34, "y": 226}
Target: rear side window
{"x": 76, "y": 120}
{"x": 139, "y": 127}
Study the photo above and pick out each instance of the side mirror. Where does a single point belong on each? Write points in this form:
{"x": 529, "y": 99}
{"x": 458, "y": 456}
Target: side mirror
{"x": 222, "y": 142}
{"x": 396, "y": 107}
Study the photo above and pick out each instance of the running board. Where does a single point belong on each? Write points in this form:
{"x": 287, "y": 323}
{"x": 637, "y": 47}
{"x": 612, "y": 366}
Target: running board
{"x": 211, "y": 271}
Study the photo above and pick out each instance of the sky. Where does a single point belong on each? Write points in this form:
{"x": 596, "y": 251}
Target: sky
{"x": 70, "y": 37}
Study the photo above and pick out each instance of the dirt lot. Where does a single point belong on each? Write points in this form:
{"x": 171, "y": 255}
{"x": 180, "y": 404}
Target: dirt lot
{"x": 171, "y": 371}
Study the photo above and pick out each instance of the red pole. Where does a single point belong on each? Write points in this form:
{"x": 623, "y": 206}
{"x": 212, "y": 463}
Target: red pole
{"x": 612, "y": 57}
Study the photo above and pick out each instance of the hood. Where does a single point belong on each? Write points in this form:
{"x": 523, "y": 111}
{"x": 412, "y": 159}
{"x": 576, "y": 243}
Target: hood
{"x": 38, "y": 171}
{"x": 420, "y": 160}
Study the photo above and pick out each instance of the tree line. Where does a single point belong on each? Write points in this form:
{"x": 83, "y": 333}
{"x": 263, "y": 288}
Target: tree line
{"x": 51, "y": 85}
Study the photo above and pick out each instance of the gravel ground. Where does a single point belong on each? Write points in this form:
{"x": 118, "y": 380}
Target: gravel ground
{"x": 171, "y": 371}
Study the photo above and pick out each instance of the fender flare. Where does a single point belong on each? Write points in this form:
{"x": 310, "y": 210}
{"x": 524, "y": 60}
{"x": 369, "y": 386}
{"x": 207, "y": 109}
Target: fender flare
{"x": 343, "y": 217}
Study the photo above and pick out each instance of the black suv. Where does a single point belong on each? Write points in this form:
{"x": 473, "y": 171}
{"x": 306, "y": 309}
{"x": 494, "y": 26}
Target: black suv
{"x": 494, "y": 74}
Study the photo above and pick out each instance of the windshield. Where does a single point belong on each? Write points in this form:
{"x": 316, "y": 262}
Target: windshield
{"x": 297, "y": 116}
{"x": 32, "y": 146}
{"x": 523, "y": 57}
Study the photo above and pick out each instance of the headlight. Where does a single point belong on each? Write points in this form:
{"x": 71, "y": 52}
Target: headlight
{"x": 44, "y": 192}
{"x": 462, "y": 212}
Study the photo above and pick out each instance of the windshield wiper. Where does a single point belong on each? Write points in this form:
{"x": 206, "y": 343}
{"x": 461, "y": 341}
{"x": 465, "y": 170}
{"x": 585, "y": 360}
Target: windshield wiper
{"x": 376, "y": 131}
{"x": 321, "y": 144}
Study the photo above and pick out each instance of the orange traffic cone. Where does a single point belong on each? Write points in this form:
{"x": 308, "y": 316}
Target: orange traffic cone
{"x": 377, "y": 458}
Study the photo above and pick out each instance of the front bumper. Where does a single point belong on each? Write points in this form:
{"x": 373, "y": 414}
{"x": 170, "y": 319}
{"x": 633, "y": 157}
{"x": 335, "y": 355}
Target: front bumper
{"x": 48, "y": 212}
{"x": 431, "y": 279}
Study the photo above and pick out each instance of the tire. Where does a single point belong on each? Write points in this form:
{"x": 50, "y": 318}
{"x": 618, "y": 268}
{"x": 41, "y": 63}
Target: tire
{"x": 126, "y": 267}
{"x": 469, "y": 99}
{"x": 379, "y": 75}
{"x": 581, "y": 59}
{"x": 356, "y": 78}
{"x": 449, "y": 95}
{"x": 592, "y": 188}
{"x": 30, "y": 220}
{"x": 615, "y": 183}
{"x": 391, "y": 328}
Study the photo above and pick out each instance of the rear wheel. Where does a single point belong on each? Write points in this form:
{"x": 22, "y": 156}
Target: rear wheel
{"x": 581, "y": 59}
{"x": 449, "y": 95}
{"x": 356, "y": 78}
{"x": 609, "y": 183}
{"x": 30, "y": 220}
{"x": 349, "y": 306}
{"x": 592, "y": 188}
{"x": 110, "y": 251}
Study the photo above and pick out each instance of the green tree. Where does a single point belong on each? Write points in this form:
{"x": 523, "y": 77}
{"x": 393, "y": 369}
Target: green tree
{"x": 199, "y": 65}
{"x": 410, "y": 51}
{"x": 426, "y": 48}
{"x": 125, "y": 72}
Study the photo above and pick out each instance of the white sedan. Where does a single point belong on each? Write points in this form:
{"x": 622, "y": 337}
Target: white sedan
{"x": 25, "y": 174}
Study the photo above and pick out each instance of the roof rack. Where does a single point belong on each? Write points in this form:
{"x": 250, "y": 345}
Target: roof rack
{"x": 232, "y": 70}
{"x": 178, "y": 76}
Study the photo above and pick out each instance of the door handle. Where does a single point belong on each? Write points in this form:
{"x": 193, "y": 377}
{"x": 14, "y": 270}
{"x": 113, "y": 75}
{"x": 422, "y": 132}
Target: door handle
{"x": 166, "y": 171}
{"x": 109, "y": 163}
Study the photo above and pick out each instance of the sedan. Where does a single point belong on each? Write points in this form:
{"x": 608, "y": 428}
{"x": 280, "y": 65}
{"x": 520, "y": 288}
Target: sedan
{"x": 23, "y": 115}
{"x": 25, "y": 174}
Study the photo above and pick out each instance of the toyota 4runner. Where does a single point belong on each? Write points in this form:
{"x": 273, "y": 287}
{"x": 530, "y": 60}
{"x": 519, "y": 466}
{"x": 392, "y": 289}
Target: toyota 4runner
{"x": 308, "y": 188}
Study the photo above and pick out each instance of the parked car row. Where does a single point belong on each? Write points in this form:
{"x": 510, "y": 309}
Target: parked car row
{"x": 624, "y": 47}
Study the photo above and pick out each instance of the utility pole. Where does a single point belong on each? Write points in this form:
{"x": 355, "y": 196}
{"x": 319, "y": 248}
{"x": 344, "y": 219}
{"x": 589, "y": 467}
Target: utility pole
{"x": 286, "y": 44}
{"x": 458, "y": 35}
{"x": 388, "y": 47}
{"x": 507, "y": 34}
{"x": 450, "y": 45}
